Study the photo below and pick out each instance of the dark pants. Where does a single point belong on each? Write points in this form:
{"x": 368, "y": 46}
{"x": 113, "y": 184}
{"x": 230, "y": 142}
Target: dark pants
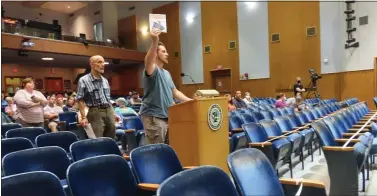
{"x": 26, "y": 124}
{"x": 102, "y": 121}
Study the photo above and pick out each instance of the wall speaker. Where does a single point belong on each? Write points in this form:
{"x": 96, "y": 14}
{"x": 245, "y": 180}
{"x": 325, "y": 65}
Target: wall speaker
{"x": 275, "y": 37}
{"x": 311, "y": 31}
{"x": 207, "y": 49}
{"x": 232, "y": 45}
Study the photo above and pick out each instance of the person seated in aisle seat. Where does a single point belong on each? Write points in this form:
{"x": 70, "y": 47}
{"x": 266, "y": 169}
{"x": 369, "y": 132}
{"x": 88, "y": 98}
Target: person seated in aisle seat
{"x": 238, "y": 101}
{"x": 11, "y": 109}
{"x": 51, "y": 113}
{"x": 70, "y": 106}
{"x": 135, "y": 99}
{"x": 291, "y": 101}
{"x": 280, "y": 100}
{"x": 122, "y": 107}
{"x": 231, "y": 106}
{"x": 300, "y": 105}
{"x": 248, "y": 99}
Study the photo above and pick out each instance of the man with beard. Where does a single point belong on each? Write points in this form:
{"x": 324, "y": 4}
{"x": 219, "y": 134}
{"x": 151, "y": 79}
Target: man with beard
{"x": 93, "y": 91}
{"x": 159, "y": 91}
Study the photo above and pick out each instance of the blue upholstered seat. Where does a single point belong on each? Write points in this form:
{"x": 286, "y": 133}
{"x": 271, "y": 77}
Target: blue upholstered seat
{"x": 94, "y": 147}
{"x": 101, "y": 175}
{"x": 37, "y": 183}
{"x": 27, "y": 132}
{"x": 14, "y": 144}
{"x": 205, "y": 180}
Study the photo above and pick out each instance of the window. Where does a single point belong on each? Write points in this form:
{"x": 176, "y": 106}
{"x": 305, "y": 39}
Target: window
{"x": 98, "y": 31}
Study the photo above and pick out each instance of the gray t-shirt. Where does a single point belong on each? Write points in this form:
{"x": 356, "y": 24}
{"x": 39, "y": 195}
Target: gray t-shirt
{"x": 158, "y": 93}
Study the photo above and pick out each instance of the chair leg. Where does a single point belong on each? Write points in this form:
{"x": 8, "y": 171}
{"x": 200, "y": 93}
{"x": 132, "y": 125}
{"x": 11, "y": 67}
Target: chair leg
{"x": 319, "y": 148}
{"x": 290, "y": 167}
{"x": 368, "y": 168}
{"x": 302, "y": 158}
{"x": 363, "y": 175}
{"x": 311, "y": 152}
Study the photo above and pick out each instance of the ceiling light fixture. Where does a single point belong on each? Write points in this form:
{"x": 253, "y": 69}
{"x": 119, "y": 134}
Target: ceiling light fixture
{"x": 106, "y": 63}
{"x": 47, "y": 58}
{"x": 68, "y": 7}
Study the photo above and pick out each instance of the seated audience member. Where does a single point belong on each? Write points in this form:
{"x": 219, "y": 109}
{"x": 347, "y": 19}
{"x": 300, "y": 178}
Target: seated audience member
{"x": 30, "y": 104}
{"x": 280, "y": 101}
{"x": 51, "y": 112}
{"x": 238, "y": 101}
{"x": 11, "y": 109}
{"x": 231, "y": 106}
{"x": 70, "y": 106}
{"x": 129, "y": 96}
{"x": 3, "y": 101}
{"x": 300, "y": 105}
{"x": 135, "y": 99}
{"x": 248, "y": 99}
{"x": 122, "y": 107}
{"x": 59, "y": 101}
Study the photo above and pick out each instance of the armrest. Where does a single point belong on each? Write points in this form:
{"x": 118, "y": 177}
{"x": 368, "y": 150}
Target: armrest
{"x": 290, "y": 132}
{"x": 189, "y": 167}
{"x": 260, "y": 144}
{"x": 359, "y": 126}
{"x": 355, "y": 130}
{"x": 126, "y": 157}
{"x": 237, "y": 130}
{"x": 129, "y": 131}
{"x": 148, "y": 187}
{"x": 351, "y": 134}
{"x": 337, "y": 148}
{"x": 307, "y": 183}
{"x": 63, "y": 126}
{"x": 345, "y": 140}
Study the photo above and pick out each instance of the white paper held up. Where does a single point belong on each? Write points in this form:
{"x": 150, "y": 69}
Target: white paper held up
{"x": 158, "y": 21}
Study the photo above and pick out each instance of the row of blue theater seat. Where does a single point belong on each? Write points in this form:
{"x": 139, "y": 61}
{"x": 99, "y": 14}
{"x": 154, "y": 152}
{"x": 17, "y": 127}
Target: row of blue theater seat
{"x": 346, "y": 162}
{"x": 275, "y": 123}
{"x": 156, "y": 170}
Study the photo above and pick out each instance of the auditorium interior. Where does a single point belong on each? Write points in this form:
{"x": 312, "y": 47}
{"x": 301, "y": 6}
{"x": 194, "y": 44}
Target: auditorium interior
{"x": 283, "y": 98}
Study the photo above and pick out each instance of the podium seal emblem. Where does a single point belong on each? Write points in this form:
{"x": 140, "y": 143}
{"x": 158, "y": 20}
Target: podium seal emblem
{"x": 215, "y": 117}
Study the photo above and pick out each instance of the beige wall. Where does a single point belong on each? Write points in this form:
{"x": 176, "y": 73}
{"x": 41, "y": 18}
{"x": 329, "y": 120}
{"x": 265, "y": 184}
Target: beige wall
{"x": 40, "y": 73}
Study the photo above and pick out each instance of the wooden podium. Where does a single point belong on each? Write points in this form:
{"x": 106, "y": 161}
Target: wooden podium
{"x": 191, "y": 136}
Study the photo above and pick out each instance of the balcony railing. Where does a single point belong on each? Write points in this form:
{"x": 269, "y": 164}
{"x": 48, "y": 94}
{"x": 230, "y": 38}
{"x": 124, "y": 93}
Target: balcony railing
{"x": 19, "y": 27}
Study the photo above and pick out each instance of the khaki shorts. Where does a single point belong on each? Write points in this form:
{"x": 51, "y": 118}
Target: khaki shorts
{"x": 156, "y": 129}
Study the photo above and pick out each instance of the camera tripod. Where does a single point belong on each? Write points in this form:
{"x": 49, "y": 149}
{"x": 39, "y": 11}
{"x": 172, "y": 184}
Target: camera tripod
{"x": 312, "y": 90}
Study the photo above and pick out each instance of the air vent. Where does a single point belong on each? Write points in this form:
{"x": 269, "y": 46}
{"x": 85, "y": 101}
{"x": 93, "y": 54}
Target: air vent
{"x": 363, "y": 20}
{"x": 131, "y": 8}
{"x": 311, "y": 31}
{"x": 71, "y": 15}
{"x": 176, "y": 54}
{"x": 275, "y": 37}
{"x": 97, "y": 12}
{"x": 232, "y": 45}
{"x": 207, "y": 49}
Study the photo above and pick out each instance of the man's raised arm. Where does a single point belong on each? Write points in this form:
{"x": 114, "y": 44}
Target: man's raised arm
{"x": 152, "y": 52}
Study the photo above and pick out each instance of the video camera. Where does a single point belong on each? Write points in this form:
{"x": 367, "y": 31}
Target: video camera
{"x": 314, "y": 76}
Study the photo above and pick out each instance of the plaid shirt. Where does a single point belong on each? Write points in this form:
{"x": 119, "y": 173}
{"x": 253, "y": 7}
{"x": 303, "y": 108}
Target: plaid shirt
{"x": 94, "y": 92}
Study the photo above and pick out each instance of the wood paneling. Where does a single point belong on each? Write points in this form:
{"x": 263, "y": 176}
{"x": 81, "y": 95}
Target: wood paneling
{"x": 171, "y": 39}
{"x": 127, "y": 32}
{"x": 63, "y": 47}
{"x": 219, "y": 26}
{"x": 40, "y": 73}
{"x": 127, "y": 79}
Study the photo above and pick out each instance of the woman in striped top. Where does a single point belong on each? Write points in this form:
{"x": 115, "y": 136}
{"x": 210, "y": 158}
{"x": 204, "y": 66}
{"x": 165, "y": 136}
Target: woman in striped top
{"x": 30, "y": 104}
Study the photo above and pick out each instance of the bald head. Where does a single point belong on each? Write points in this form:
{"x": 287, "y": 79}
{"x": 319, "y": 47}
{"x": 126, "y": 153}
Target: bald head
{"x": 97, "y": 64}
{"x": 95, "y": 58}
